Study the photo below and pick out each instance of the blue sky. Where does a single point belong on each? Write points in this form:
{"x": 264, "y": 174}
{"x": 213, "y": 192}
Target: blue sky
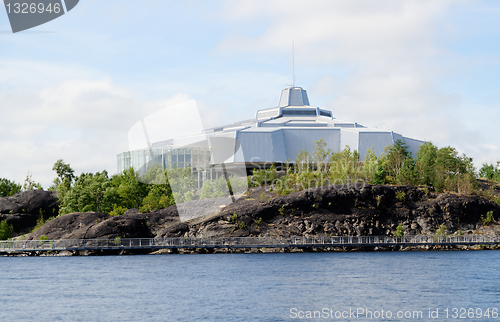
{"x": 72, "y": 88}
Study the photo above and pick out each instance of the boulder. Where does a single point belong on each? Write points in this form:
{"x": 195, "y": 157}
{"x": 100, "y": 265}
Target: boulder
{"x": 93, "y": 225}
{"x": 23, "y": 209}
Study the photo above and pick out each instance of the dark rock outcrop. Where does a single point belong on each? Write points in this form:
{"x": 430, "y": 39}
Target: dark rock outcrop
{"x": 354, "y": 211}
{"x": 93, "y": 225}
{"x": 333, "y": 211}
{"x": 23, "y": 209}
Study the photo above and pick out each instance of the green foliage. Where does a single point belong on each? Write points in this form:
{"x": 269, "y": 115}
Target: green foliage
{"x": 263, "y": 177}
{"x": 65, "y": 176}
{"x": 426, "y": 163}
{"x": 126, "y": 190}
{"x": 182, "y": 183}
{"x": 490, "y": 172}
{"x": 395, "y": 157}
{"x": 407, "y": 175}
{"x": 453, "y": 172}
{"x": 40, "y": 222}
{"x": 282, "y": 210}
{"x": 241, "y": 225}
{"x": 400, "y": 196}
{"x": 303, "y": 161}
{"x": 8, "y": 188}
{"x": 117, "y": 241}
{"x": 30, "y": 184}
{"x": 5, "y": 230}
{"x": 320, "y": 156}
{"x": 117, "y": 210}
{"x": 489, "y": 218}
{"x": 214, "y": 189}
{"x": 400, "y": 230}
{"x": 42, "y": 239}
{"x": 345, "y": 166}
{"x": 496, "y": 200}
{"x": 240, "y": 185}
{"x": 234, "y": 217}
{"x": 442, "y": 230}
{"x": 159, "y": 197}
{"x": 91, "y": 192}
{"x": 257, "y": 221}
{"x": 63, "y": 170}
{"x": 263, "y": 197}
{"x": 222, "y": 187}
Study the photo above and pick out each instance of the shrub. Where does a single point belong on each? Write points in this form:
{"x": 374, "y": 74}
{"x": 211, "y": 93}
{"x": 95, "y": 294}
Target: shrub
{"x": 40, "y": 222}
{"x": 117, "y": 210}
{"x": 400, "y": 196}
{"x": 400, "y": 230}
{"x": 263, "y": 177}
{"x": 42, "y": 239}
{"x": 442, "y": 230}
{"x": 234, "y": 217}
{"x": 489, "y": 218}
{"x": 5, "y": 230}
{"x": 263, "y": 197}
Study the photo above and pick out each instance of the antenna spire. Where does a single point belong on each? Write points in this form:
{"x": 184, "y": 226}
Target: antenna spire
{"x": 293, "y": 62}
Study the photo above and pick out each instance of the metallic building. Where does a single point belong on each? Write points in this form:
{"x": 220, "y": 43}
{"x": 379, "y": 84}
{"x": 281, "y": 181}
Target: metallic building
{"x": 275, "y": 136}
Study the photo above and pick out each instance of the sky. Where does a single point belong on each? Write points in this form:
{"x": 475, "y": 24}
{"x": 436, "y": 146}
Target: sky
{"x": 72, "y": 88}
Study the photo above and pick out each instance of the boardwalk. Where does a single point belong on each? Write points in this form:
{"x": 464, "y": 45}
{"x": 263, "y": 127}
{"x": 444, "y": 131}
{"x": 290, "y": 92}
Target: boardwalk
{"x": 7, "y": 247}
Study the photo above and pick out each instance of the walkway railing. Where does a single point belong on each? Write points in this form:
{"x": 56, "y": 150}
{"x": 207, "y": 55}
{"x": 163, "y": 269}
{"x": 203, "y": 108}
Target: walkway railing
{"x": 241, "y": 242}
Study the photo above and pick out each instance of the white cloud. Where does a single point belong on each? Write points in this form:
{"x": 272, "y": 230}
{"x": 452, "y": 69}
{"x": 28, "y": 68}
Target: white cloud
{"x": 391, "y": 57}
{"x": 84, "y": 122}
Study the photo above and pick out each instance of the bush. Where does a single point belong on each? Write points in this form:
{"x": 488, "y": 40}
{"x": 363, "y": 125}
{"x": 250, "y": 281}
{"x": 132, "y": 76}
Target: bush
{"x": 400, "y": 230}
{"x": 400, "y": 196}
{"x": 5, "y": 230}
{"x": 159, "y": 197}
{"x": 8, "y": 188}
{"x": 263, "y": 177}
{"x": 117, "y": 210}
{"x": 490, "y": 172}
{"x": 40, "y": 222}
{"x": 489, "y": 218}
{"x": 442, "y": 230}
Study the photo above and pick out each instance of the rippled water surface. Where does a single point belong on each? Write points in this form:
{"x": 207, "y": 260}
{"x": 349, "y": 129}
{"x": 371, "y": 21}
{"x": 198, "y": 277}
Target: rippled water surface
{"x": 253, "y": 287}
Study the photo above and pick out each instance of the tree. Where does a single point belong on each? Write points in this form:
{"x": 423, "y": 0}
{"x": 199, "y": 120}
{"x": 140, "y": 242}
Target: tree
{"x": 320, "y": 156}
{"x": 407, "y": 175}
{"x": 426, "y": 163}
{"x": 160, "y": 196}
{"x": 396, "y": 155}
{"x": 5, "y": 230}
{"x": 64, "y": 171}
{"x": 91, "y": 192}
{"x": 302, "y": 161}
{"x": 490, "y": 172}
{"x": 30, "y": 184}
{"x": 8, "y": 188}
{"x": 127, "y": 189}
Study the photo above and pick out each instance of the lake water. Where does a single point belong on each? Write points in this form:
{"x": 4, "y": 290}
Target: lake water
{"x": 353, "y": 286}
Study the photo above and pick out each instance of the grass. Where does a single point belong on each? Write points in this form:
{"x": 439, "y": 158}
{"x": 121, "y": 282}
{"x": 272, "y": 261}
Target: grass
{"x": 489, "y": 218}
{"x": 400, "y": 196}
{"x": 40, "y": 222}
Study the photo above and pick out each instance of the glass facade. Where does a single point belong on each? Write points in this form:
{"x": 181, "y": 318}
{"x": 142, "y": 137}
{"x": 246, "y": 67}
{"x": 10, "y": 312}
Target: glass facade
{"x": 142, "y": 160}
{"x": 198, "y": 159}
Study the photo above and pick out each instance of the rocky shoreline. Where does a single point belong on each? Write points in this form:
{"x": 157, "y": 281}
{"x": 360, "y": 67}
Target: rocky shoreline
{"x": 368, "y": 210}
